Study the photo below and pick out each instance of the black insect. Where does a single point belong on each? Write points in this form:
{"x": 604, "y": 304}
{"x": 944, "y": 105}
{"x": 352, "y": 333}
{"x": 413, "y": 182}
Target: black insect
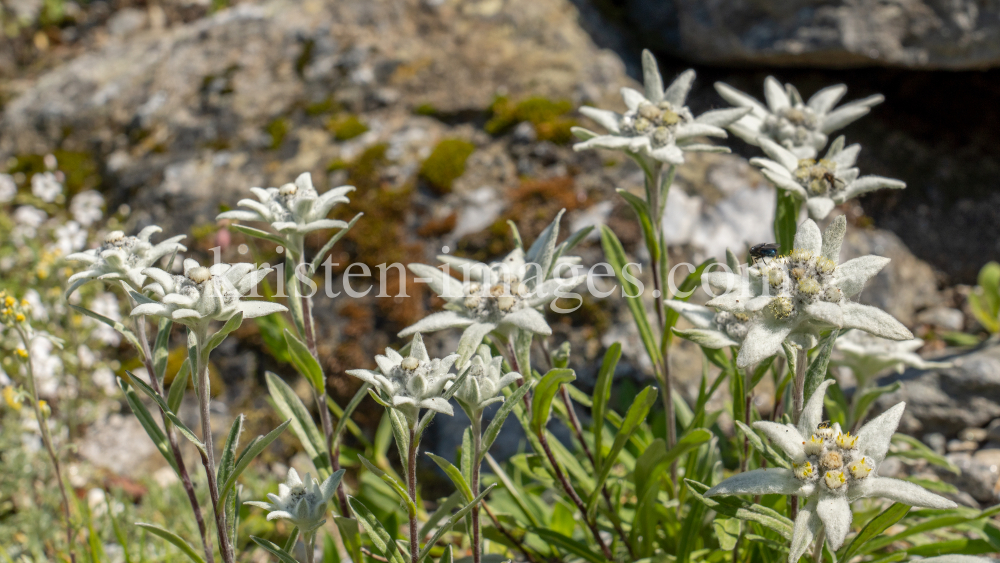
{"x": 825, "y": 424}
{"x": 833, "y": 180}
{"x": 764, "y": 250}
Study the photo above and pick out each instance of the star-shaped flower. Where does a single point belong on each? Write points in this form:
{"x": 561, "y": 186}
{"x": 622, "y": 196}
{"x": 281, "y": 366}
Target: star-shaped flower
{"x": 657, "y": 123}
{"x": 802, "y": 293}
{"x": 503, "y": 296}
{"x": 292, "y": 209}
{"x": 868, "y": 355}
{"x": 801, "y": 127}
{"x": 712, "y": 329}
{"x": 304, "y": 505}
{"x": 830, "y": 470}
{"x": 830, "y": 181}
{"x": 122, "y": 258}
{"x": 483, "y": 386}
{"x": 411, "y": 383}
{"x": 203, "y": 295}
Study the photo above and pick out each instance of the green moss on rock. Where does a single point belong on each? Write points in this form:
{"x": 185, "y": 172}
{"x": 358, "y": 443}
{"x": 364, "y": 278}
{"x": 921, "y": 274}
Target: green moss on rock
{"x": 446, "y": 164}
{"x": 346, "y": 127}
{"x": 547, "y": 116}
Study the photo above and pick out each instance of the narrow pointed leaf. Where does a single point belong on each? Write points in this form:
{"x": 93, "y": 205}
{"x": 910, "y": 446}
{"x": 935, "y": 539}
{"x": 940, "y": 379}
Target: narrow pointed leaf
{"x": 184, "y": 430}
{"x": 545, "y": 392}
{"x": 376, "y": 532}
{"x": 493, "y": 430}
{"x": 396, "y": 486}
{"x": 172, "y": 538}
{"x": 149, "y": 424}
{"x": 615, "y": 254}
{"x": 232, "y": 324}
{"x": 602, "y": 394}
{"x": 304, "y": 362}
{"x": 178, "y": 386}
{"x": 290, "y": 406}
{"x": 274, "y": 549}
{"x": 873, "y": 529}
{"x": 455, "y": 518}
{"x": 816, "y": 372}
{"x": 318, "y": 260}
{"x": 253, "y": 449}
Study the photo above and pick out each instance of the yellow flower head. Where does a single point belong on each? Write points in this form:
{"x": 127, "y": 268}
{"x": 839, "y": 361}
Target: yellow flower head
{"x": 835, "y": 479}
{"x": 12, "y": 399}
{"x": 9, "y": 301}
{"x": 846, "y": 441}
{"x": 803, "y": 471}
{"x": 861, "y": 468}
{"x": 45, "y": 408}
{"x": 813, "y": 446}
{"x": 22, "y": 352}
{"x": 19, "y": 317}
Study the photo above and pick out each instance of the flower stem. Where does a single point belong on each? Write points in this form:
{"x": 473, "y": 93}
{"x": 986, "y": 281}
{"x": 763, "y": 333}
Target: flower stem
{"x": 411, "y": 486}
{"x": 520, "y": 545}
{"x": 818, "y": 549}
{"x": 477, "y": 446}
{"x": 43, "y": 426}
{"x": 309, "y": 540}
{"x": 147, "y": 360}
{"x": 799, "y": 384}
{"x": 208, "y": 458}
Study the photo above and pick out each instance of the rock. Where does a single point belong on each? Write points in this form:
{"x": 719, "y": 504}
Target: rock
{"x": 946, "y": 318}
{"x": 993, "y": 431}
{"x": 980, "y": 472}
{"x": 939, "y": 34}
{"x": 903, "y": 287}
{"x": 973, "y": 435}
{"x": 962, "y": 446}
{"x": 936, "y": 441}
{"x": 120, "y": 445}
{"x": 951, "y": 399}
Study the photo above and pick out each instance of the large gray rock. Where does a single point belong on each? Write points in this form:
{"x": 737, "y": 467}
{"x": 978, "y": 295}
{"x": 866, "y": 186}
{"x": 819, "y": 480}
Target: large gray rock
{"x": 946, "y": 34}
{"x": 951, "y": 399}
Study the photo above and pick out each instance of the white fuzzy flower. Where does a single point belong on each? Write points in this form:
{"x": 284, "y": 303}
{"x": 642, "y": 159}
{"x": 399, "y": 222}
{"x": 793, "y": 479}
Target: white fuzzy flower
{"x": 46, "y": 186}
{"x": 798, "y": 295}
{"x": 46, "y": 366}
{"x": 657, "y": 124}
{"x": 203, "y": 295}
{"x": 87, "y": 207}
{"x": 122, "y": 258}
{"x": 70, "y": 237}
{"x": 868, "y": 355}
{"x": 27, "y": 219}
{"x": 839, "y": 470}
{"x": 35, "y": 305}
{"x": 821, "y": 184}
{"x": 712, "y": 329}
{"x": 503, "y": 296}
{"x": 293, "y": 209}
{"x": 8, "y": 188}
{"x": 105, "y": 304}
{"x": 801, "y": 127}
{"x": 483, "y": 386}
{"x": 411, "y": 383}
{"x": 301, "y": 503}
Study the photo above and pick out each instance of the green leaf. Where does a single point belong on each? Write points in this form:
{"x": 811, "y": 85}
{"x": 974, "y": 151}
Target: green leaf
{"x": 545, "y": 392}
{"x": 786, "y": 216}
{"x": 919, "y": 450}
{"x": 257, "y": 233}
{"x": 727, "y": 531}
{"x": 274, "y": 550}
{"x": 447, "y": 556}
{"x": 401, "y": 434}
{"x": 642, "y": 212}
{"x": 515, "y": 234}
{"x": 177, "y": 387}
{"x": 444, "y": 508}
{"x": 290, "y": 406}
{"x": 396, "y": 486}
{"x": 635, "y": 416}
{"x": 738, "y": 508}
{"x": 455, "y": 518}
{"x": 184, "y": 430}
{"x": 305, "y": 363}
{"x": 344, "y": 417}
{"x": 570, "y": 545}
{"x": 227, "y": 462}
{"x": 573, "y": 240}
{"x": 232, "y": 324}
{"x": 864, "y": 400}
{"x": 293, "y": 538}
{"x": 453, "y": 473}
{"x": 253, "y": 449}
{"x": 350, "y": 533}
{"x": 152, "y": 428}
{"x": 117, "y": 325}
{"x": 760, "y": 371}
{"x": 875, "y": 527}
{"x": 318, "y": 260}
{"x": 989, "y": 281}
{"x": 493, "y": 429}
{"x": 161, "y": 347}
{"x": 602, "y": 394}
{"x": 172, "y": 538}
{"x": 615, "y": 255}
{"x": 816, "y": 372}
{"x": 376, "y": 532}
{"x": 513, "y": 490}
{"x": 767, "y": 451}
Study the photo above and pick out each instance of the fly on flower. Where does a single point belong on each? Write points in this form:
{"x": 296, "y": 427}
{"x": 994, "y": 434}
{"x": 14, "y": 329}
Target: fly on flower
{"x": 764, "y": 250}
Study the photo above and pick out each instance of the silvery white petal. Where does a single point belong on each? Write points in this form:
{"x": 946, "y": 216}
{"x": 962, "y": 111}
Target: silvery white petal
{"x": 812, "y": 411}
{"x": 775, "y": 167}
{"x": 610, "y": 142}
{"x": 874, "y": 321}
{"x": 870, "y": 183}
{"x": 806, "y": 525}
{"x": 828, "y": 313}
{"x": 772, "y": 481}
{"x": 185, "y": 314}
{"x": 254, "y": 309}
{"x": 438, "y": 404}
{"x": 737, "y": 98}
{"x": 670, "y": 154}
{"x": 373, "y": 378}
{"x": 651, "y": 79}
{"x": 785, "y": 436}
{"x": 786, "y": 183}
{"x": 417, "y": 348}
{"x": 842, "y": 117}
{"x": 722, "y": 117}
{"x": 852, "y": 275}
{"x": 632, "y": 98}
{"x": 442, "y": 284}
{"x": 746, "y": 129}
{"x": 762, "y": 341}
{"x": 808, "y": 237}
{"x": 385, "y": 365}
{"x": 775, "y": 94}
{"x": 528, "y": 319}
{"x": 607, "y": 119}
{"x": 150, "y": 310}
{"x": 823, "y": 100}
{"x": 437, "y": 321}
{"x": 698, "y": 315}
{"x": 835, "y": 512}
{"x": 833, "y": 239}
{"x": 471, "y": 338}
{"x": 696, "y": 129}
{"x": 819, "y": 207}
{"x": 899, "y": 491}
{"x": 779, "y": 154}
{"x": 846, "y": 158}
{"x": 874, "y": 437}
{"x": 688, "y": 146}
{"x": 678, "y": 90}
{"x": 707, "y": 338}
{"x": 240, "y": 215}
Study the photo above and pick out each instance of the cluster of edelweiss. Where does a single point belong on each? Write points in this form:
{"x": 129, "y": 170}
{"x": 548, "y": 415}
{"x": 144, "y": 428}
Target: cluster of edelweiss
{"x": 788, "y": 299}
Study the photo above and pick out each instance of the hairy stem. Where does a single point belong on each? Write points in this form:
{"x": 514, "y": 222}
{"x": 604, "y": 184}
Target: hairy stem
{"x": 147, "y": 360}
{"x": 506, "y": 533}
{"x": 799, "y": 384}
{"x": 43, "y": 426}
{"x": 818, "y": 549}
{"x": 477, "y": 446}
{"x": 571, "y": 492}
{"x": 411, "y": 487}
{"x": 208, "y": 458}
{"x": 310, "y": 544}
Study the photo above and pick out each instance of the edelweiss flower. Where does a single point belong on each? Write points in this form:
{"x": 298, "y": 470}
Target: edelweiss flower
{"x": 801, "y": 127}
{"x": 830, "y": 470}
{"x": 822, "y": 184}
{"x": 483, "y": 386}
{"x": 203, "y": 295}
{"x": 802, "y": 293}
{"x": 712, "y": 329}
{"x": 867, "y": 355}
{"x": 122, "y": 258}
{"x": 657, "y": 124}
{"x": 293, "y": 209}
{"x": 86, "y": 207}
{"x": 304, "y": 505}
{"x": 46, "y": 186}
{"x": 8, "y": 188}
{"x": 411, "y": 383}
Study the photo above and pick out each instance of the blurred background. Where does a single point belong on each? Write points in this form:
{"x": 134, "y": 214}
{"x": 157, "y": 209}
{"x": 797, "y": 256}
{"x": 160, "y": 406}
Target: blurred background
{"x": 452, "y": 117}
